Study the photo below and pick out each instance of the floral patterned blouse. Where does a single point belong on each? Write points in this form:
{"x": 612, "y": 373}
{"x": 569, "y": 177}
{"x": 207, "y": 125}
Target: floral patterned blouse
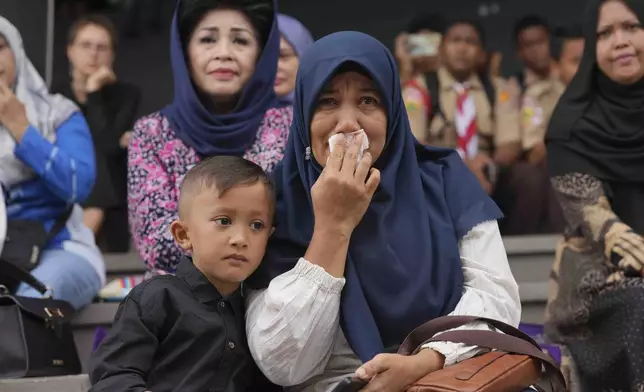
{"x": 157, "y": 162}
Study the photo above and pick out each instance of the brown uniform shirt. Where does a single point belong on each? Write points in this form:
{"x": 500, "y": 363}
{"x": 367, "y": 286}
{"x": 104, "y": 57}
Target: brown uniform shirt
{"x": 537, "y": 104}
{"x": 496, "y": 126}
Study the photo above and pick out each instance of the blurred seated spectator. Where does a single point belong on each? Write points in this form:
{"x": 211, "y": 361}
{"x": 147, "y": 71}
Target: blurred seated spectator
{"x": 110, "y": 107}
{"x": 416, "y": 48}
{"x": 568, "y": 52}
{"x": 539, "y": 84}
{"x": 46, "y": 168}
{"x": 540, "y": 90}
{"x": 293, "y": 43}
{"x": 532, "y": 39}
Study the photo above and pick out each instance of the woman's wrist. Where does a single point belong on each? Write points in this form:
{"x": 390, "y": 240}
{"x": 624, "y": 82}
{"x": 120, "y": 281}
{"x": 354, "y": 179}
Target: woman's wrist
{"x": 18, "y": 128}
{"x": 328, "y": 249}
{"x": 332, "y": 232}
{"x": 430, "y": 360}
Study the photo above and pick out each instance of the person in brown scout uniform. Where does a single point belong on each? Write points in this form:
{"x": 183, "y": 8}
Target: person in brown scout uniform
{"x": 458, "y": 107}
{"x": 541, "y": 96}
{"x": 532, "y": 39}
{"x": 540, "y": 90}
{"x": 570, "y": 50}
{"x": 414, "y": 49}
{"x": 538, "y": 82}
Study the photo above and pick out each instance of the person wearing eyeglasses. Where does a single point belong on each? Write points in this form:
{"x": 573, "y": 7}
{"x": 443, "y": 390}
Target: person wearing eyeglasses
{"x": 110, "y": 106}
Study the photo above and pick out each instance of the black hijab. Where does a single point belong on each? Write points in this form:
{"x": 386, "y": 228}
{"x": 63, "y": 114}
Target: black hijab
{"x": 597, "y": 127}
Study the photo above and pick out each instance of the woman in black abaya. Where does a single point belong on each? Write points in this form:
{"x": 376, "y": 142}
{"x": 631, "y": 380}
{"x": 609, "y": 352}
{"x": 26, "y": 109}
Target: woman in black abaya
{"x": 596, "y": 161}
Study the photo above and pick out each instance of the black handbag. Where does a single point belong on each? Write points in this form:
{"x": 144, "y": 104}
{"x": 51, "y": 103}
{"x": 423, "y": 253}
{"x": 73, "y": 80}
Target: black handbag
{"x": 23, "y": 245}
{"x": 36, "y": 338}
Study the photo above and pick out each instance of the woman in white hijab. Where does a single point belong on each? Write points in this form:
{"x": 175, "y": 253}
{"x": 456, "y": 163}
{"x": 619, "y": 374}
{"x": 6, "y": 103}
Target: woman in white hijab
{"x": 47, "y": 166}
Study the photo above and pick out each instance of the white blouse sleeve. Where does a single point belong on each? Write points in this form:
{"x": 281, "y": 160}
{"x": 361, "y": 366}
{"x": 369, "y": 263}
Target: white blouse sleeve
{"x": 292, "y": 324}
{"x": 489, "y": 288}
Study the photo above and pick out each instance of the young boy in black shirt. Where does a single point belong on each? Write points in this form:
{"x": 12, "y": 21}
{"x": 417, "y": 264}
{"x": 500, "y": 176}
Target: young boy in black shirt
{"x": 186, "y": 332}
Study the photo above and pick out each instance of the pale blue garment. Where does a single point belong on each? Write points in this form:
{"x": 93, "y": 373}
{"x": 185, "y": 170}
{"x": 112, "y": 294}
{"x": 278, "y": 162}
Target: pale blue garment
{"x": 69, "y": 276}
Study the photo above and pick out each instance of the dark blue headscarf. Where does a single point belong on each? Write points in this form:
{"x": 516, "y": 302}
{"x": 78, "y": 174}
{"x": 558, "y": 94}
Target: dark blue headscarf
{"x": 403, "y": 266}
{"x": 300, "y": 39}
{"x": 221, "y": 134}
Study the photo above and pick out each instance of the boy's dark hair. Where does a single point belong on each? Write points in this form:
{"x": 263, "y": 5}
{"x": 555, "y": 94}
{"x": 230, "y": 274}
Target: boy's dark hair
{"x": 564, "y": 33}
{"x": 431, "y": 22}
{"x": 527, "y": 22}
{"x": 97, "y": 20}
{"x": 224, "y": 172}
{"x": 469, "y": 22}
{"x": 259, "y": 12}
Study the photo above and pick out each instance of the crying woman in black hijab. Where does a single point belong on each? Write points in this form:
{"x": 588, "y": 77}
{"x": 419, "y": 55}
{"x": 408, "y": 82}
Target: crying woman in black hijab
{"x": 595, "y": 144}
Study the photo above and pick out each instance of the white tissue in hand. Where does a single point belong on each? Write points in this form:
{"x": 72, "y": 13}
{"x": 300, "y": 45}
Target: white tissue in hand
{"x": 349, "y": 137}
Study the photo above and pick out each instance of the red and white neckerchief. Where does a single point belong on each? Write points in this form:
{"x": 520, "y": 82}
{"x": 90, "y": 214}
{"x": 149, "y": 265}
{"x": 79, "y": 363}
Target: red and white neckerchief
{"x": 465, "y": 122}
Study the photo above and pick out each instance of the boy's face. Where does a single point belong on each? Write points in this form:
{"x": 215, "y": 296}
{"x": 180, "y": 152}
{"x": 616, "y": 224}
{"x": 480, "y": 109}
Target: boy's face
{"x": 227, "y": 234}
{"x": 461, "y": 49}
{"x": 533, "y": 47}
{"x": 571, "y": 52}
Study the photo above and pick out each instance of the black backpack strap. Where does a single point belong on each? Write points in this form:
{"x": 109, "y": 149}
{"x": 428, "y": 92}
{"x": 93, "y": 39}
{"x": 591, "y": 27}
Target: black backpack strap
{"x": 490, "y": 90}
{"x": 60, "y": 223}
{"x": 521, "y": 80}
{"x": 433, "y": 88}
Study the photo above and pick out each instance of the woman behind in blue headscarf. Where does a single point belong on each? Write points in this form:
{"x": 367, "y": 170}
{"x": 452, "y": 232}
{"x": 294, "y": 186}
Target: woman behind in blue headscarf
{"x": 363, "y": 253}
{"x": 224, "y": 60}
{"x": 294, "y": 42}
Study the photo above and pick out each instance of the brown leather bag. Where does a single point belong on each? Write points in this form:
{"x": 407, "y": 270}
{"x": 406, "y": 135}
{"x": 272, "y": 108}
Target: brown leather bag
{"x": 515, "y": 365}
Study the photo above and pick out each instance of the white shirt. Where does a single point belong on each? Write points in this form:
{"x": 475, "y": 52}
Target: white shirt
{"x": 293, "y": 326}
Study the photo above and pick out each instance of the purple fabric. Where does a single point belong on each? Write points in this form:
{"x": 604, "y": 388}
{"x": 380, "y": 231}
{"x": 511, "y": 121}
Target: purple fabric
{"x": 535, "y": 331}
{"x": 299, "y": 37}
{"x": 99, "y": 335}
{"x": 221, "y": 134}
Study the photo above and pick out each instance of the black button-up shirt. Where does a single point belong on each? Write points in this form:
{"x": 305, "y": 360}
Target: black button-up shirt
{"x": 177, "y": 333}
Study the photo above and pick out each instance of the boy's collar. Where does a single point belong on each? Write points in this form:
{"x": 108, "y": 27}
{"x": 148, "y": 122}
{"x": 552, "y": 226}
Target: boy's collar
{"x": 205, "y": 291}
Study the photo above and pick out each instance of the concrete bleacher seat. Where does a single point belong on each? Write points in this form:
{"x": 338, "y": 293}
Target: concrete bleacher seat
{"x": 122, "y": 264}
{"x": 78, "y": 383}
{"x": 530, "y": 258}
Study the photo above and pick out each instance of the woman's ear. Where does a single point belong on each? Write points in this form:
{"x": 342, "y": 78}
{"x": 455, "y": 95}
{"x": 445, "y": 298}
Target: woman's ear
{"x": 272, "y": 231}
{"x": 180, "y": 234}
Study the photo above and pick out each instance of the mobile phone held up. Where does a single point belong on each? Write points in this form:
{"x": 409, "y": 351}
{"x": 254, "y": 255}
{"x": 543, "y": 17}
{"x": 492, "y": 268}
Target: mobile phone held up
{"x": 350, "y": 384}
{"x": 424, "y": 44}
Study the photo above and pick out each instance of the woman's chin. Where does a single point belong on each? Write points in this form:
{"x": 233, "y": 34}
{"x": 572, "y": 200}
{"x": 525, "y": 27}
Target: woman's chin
{"x": 281, "y": 90}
